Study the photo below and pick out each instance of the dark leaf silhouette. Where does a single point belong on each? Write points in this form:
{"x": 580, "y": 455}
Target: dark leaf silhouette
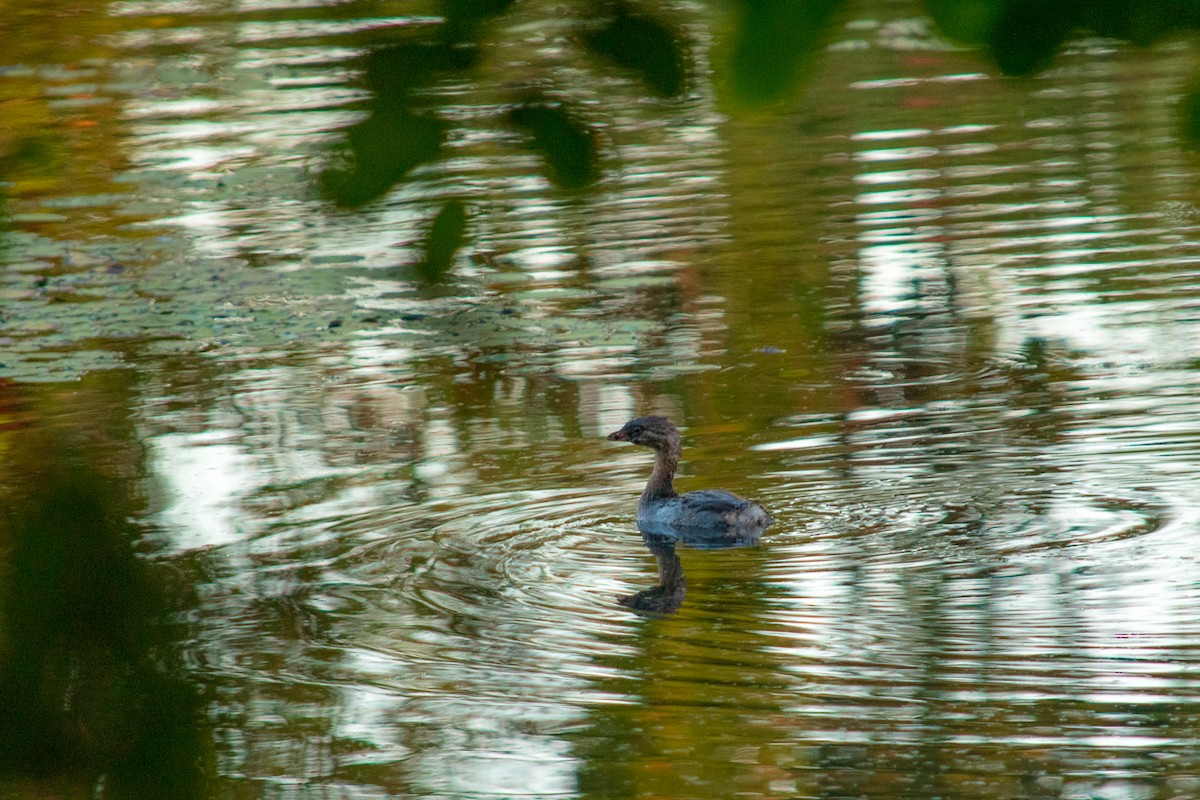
{"x": 445, "y": 238}
{"x": 640, "y": 43}
{"x": 393, "y": 73}
{"x": 965, "y": 21}
{"x": 1027, "y": 33}
{"x": 774, "y": 45}
{"x": 1191, "y": 117}
{"x": 464, "y": 18}
{"x": 567, "y": 143}
{"x": 382, "y": 150}
{"x": 1142, "y": 22}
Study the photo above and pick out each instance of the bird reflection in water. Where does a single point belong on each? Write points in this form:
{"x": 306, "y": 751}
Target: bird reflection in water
{"x": 709, "y": 519}
{"x": 667, "y": 596}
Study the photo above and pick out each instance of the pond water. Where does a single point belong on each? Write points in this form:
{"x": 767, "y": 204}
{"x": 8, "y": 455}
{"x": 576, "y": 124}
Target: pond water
{"x": 943, "y": 325}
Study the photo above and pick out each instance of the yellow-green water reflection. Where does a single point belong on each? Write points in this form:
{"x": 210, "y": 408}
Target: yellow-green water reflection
{"x": 945, "y": 327}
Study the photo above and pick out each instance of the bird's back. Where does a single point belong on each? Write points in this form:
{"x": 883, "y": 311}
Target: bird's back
{"x": 714, "y": 509}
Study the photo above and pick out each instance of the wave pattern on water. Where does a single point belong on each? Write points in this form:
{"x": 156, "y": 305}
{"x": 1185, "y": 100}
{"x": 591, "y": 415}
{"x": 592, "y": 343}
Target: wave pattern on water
{"x": 952, "y": 349}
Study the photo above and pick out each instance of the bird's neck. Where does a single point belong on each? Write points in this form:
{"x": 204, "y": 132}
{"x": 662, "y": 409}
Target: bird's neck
{"x": 670, "y": 570}
{"x": 659, "y": 487}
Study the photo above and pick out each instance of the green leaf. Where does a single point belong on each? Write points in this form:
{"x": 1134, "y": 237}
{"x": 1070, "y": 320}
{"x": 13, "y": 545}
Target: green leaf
{"x": 567, "y": 143}
{"x": 383, "y": 149}
{"x": 774, "y": 46}
{"x": 1028, "y": 33}
{"x": 644, "y": 45}
{"x": 445, "y": 238}
{"x": 968, "y": 22}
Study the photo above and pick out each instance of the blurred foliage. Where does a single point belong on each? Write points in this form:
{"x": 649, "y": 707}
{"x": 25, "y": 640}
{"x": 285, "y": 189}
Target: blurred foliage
{"x": 964, "y": 21}
{"x": 49, "y": 29}
{"x": 1023, "y": 36}
{"x": 91, "y": 684}
{"x": 445, "y": 238}
{"x": 642, "y": 44}
{"x": 774, "y": 43}
{"x": 398, "y": 134}
{"x": 464, "y": 19}
{"x": 761, "y": 61}
{"x": 35, "y": 152}
{"x": 382, "y": 150}
{"x": 565, "y": 141}
{"x": 45, "y": 143}
{"x": 394, "y": 73}
{"x": 1191, "y": 116}
{"x": 31, "y": 157}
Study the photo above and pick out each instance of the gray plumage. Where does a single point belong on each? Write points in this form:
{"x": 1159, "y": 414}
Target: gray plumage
{"x": 705, "y": 512}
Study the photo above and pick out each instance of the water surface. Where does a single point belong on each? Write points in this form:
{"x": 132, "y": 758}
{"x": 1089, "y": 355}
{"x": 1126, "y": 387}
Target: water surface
{"x": 946, "y": 327}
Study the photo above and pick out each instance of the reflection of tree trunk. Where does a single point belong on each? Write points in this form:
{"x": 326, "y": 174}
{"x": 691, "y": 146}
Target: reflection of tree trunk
{"x": 672, "y": 586}
{"x": 87, "y": 687}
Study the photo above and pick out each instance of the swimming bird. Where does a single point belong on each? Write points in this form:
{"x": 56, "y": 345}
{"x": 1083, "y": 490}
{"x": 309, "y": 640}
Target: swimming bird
{"x": 708, "y": 512}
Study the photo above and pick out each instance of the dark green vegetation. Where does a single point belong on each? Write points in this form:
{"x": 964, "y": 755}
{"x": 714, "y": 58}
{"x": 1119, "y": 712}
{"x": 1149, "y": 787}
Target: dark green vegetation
{"x": 92, "y": 685}
{"x": 642, "y": 44}
{"x": 566, "y": 143}
{"x": 445, "y": 237}
{"x": 764, "y": 61}
{"x": 1022, "y": 36}
{"x": 382, "y": 150}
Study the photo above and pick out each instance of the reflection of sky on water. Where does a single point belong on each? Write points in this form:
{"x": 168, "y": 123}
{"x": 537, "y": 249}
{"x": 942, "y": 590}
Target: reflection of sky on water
{"x": 1101, "y": 616}
{"x": 970, "y": 525}
{"x": 204, "y": 481}
{"x": 480, "y": 757}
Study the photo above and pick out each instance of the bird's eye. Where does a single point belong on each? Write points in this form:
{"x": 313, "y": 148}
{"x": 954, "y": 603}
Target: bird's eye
{"x": 635, "y": 431}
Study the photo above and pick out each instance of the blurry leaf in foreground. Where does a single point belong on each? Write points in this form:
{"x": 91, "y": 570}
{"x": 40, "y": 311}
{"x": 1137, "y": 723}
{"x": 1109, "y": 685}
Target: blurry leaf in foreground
{"x": 1142, "y": 22}
{"x": 1028, "y": 33}
{"x": 1190, "y": 107}
{"x": 464, "y": 17}
{"x": 382, "y": 150}
{"x": 392, "y": 73}
{"x": 33, "y": 163}
{"x": 643, "y": 44}
{"x": 567, "y": 143}
{"x": 88, "y": 688}
{"x": 775, "y": 43}
{"x": 965, "y": 21}
{"x": 445, "y": 238}
{"x": 1024, "y": 35}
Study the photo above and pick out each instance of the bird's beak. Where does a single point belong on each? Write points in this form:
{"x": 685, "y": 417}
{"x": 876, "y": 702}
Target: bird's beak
{"x": 618, "y": 436}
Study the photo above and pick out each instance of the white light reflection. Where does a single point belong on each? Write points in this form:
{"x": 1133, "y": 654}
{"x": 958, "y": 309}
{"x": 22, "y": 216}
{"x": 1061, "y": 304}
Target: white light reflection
{"x": 891, "y": 272}
{"x": 510, "y": 767}
{"x": 205, "y": 475}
